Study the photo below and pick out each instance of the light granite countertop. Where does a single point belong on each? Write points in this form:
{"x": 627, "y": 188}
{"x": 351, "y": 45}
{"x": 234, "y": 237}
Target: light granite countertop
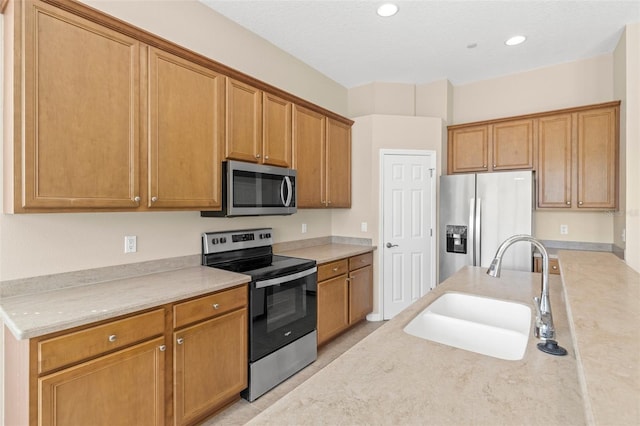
{"x": 391, "y": 377}
{"x": 63, "y": 307}
{"x": 327, "y": 252}
{"x": 33, "y": 315}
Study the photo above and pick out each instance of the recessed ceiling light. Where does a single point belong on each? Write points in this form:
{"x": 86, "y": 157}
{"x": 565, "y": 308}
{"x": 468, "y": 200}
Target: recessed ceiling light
{"x": 387, "y": 9}
{"x": 515, "y": 40}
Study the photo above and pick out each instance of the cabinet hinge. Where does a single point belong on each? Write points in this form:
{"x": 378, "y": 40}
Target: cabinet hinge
{"x": 431, "y": 172}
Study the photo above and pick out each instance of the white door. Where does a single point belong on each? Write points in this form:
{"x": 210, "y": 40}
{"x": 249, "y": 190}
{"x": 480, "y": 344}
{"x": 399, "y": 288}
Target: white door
{"x": 408, "y": 225}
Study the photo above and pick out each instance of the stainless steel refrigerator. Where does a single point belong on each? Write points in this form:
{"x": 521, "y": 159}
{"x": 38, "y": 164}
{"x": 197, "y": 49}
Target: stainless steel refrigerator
{"x": 477, "y": 213}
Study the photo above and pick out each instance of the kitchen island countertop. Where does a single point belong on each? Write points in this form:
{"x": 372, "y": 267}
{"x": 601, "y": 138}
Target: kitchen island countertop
{"x": 391, "y": 377}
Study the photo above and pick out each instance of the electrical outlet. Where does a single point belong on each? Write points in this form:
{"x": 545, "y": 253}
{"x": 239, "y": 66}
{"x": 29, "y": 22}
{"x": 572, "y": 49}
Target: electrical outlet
{"x": 130, "y": 244}
{"x": 363, "y": 227}
{"x": 304, "y": 228}
{"x": 564, "y": 229}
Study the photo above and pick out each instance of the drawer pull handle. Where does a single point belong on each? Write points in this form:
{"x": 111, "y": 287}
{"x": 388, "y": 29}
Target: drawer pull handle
{"x": 335, "y": 269}
{"x": 163, "y": 348}
{"x": 216, "y": 306}
{"x": 180, "y": 340}
{"x": 112, "y": 338}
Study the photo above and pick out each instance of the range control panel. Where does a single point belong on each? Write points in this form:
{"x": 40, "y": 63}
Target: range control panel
{"x": 216, "y": 242}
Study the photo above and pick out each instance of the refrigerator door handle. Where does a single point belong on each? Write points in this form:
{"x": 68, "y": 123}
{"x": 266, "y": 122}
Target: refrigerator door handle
{"x": 477, "y": 238}
{"x": 472, "y": 230}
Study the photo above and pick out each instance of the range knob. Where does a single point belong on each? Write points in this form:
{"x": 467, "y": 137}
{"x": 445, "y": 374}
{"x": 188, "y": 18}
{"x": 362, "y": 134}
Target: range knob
{"x": 223, "y": 240}
{"x": 214, "y": 241}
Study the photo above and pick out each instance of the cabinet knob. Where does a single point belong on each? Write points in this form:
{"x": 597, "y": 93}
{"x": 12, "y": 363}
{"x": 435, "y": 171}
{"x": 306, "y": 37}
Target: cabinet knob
{"x": 568, "y": 203}
{"x": 494, "y": 166}
{"x": 266, "y": 157}
{"x": 180, "y": 340}
{"x": 580, "y": 202}
{"x": 154, "y": 199}
{"x": 335, "y": 269}
{"x": 554, "y": 267}
{"x": 163, "y": 348}
{"x": 257, "y": 155}
{"x": 112, "y": 338}
{"x": 136, "y": 198}
{"x": 216, "y": 306}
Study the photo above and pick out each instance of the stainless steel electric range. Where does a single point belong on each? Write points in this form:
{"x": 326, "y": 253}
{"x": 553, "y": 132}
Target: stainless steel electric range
{"x": 282, "y": 304}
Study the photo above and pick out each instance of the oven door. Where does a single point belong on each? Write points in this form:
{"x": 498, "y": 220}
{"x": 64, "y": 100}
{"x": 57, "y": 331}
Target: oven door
{"x": 282, "y": 310}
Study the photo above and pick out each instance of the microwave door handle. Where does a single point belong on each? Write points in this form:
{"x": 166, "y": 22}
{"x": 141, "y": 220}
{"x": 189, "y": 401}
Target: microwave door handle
{"x": 287, "y": 201}
{"x": 282, "y": 199}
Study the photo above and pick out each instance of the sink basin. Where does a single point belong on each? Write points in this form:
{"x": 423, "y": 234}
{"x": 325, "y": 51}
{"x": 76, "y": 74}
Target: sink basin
{"x": 478, "y": 324}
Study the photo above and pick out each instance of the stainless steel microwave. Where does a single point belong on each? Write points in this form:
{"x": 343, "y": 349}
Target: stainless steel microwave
{"x": 256, "y": 190}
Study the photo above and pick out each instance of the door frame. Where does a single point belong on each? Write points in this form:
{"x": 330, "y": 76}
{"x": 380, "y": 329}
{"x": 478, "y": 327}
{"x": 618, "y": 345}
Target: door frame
{"x": 379, "y": 316}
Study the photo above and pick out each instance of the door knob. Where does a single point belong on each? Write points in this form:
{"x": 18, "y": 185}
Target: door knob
{"x": 389, "y": 245}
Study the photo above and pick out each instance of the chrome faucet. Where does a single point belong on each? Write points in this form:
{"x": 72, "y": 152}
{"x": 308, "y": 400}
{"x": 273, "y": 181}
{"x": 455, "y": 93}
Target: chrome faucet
{"x": 544, "y": 329}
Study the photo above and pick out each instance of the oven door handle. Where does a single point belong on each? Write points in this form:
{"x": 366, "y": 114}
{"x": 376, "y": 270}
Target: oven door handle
{"x": 286, "y": 278}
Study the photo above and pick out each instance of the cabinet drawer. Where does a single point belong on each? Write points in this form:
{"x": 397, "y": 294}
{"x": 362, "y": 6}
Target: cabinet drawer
{"x": 360, "y": 261}
{"x": 333, "y": 269}
{"x": 209, "y": 306}
{"x": 74, "y": 347}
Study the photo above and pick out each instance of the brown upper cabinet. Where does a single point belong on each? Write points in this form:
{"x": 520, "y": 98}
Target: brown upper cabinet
{"x": 104, "y": 116}
{"x": 186, "y": 109}
{"x": 578, "y": 157}
{"x": 576, "y": 153}
{"x": 258, "y": 126}
{"x": 322, "y": 157}
{"x": 79, "y": 145}
{"x": 491, "y": 146}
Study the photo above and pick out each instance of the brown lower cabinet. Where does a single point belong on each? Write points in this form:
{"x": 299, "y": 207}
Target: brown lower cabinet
{"x": 345, "y": 294}
{"x": 175, "y": 364}
{"x": 554, "y": 266}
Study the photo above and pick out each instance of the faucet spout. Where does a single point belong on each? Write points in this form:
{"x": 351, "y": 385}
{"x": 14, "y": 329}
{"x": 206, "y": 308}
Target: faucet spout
{"x": 544, "y": 329}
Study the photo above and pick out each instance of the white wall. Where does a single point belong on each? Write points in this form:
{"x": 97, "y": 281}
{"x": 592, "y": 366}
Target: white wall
{"x": 565, "y": 85}
{"x": 632, "y": 145}
{"x": 40, "y": 244}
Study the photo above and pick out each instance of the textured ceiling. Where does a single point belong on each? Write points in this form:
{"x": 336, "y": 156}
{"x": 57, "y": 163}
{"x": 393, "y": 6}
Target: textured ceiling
{"x": 427, "y": 40}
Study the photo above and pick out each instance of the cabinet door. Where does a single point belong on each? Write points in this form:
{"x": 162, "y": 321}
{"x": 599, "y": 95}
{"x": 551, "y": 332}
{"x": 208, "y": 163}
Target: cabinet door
{"x": 124, "y": 388}
{"x": 360, "y": 293}
{"x": 597, "y": 158}
{"x": 513, "y": 145}
{"x": 81, "y": 96}
{"x": 309, "y": 129}
{"x": 554, "y": 161}
{"x": 333, "y": 307}
{"x": 244, "y": 122}
{"x": 185, "y": 133}
{"x": 210, "y": 365}
{"x": 276, "y": 128}
{"x": 468, "y": 149}
{"x": 338, "y": 164}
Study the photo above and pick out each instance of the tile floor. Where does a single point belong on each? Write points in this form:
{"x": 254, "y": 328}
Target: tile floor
{"x": 243, "y": 411}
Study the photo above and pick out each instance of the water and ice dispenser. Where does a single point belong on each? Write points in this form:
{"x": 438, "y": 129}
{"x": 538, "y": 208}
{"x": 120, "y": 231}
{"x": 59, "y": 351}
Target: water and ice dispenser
{"x": 456, "y": 239}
